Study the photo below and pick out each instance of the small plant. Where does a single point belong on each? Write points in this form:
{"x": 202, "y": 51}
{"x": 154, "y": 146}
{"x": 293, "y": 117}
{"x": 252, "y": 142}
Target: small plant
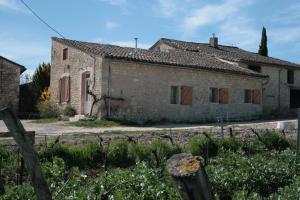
{"x": 202, "y": 146}
{"x": 231, "y": 144}
{"x": 119, "y": 154}
{"x": 83, "y": 156}
{"x": 46, "y": 94}
{"x": 48, "y": 109}
{"x": 163, "y": 150}
{"x": 69, "y": 111}
{"x": 274, "y": 140}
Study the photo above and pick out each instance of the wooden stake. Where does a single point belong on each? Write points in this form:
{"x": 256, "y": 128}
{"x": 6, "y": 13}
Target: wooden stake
{"x": 31, "y": 160}
{"x": 189, "y": 177}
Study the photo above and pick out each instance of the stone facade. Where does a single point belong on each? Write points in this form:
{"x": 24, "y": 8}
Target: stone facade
{"x": 77, "y": 63}
{"x": 9, "y": 83}
{"x": 141, "y": 92}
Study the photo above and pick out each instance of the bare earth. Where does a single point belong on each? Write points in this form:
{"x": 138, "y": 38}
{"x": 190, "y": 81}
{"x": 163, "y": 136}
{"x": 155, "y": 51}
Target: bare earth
{"x": 59, "y": 128}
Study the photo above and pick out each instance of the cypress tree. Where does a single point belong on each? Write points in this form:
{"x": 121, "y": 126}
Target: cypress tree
{"x": 263, "y": 47}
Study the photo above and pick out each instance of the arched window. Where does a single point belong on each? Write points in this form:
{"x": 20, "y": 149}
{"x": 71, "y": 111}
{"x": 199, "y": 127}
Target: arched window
{"x": 64, "y": 89}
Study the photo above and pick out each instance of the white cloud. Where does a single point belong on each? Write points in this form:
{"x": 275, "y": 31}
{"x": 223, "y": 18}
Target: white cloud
{"x": 171, "y": 8}
{"x": 11, "y": 4}
{"x": 213, "y": 13}
{"x": 110, "y": 24}
{"x": 131, "y": 43}
{"x": 115, "y": 2}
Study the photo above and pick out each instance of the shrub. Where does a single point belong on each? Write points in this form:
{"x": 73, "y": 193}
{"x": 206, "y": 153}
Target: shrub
{"x": 69, "y": 111}
{"x": 118, "y": 154}
{"x": 274, "y": 140}
{"x": 231, "y": 144}
{"x": 48, "y": 109}
{"x": 231, "y": 172}
{"x": 46, "y": 94}
{"x": 88, "y": 155}
{"x": 140, "y": 152}
{"x": 142, "y": 182}
{"x": 163, "y": 150}
{"x": 202, "y": 146}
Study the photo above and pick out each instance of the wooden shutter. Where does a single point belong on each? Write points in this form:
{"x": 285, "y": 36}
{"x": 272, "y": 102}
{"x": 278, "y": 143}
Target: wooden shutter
{"x": 256, "y": 97}
{"x": 186, "y": 95}
{"x": 67, "y": 89}
{"x": 59, "y": 90}
{"x": 223, "y": 96}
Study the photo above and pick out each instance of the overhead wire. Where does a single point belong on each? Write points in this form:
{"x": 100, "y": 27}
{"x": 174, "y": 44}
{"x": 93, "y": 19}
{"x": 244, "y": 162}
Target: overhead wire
{"x": 41, "y": 19}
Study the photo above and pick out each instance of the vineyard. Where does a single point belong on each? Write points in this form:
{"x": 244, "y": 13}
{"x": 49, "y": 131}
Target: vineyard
{"x": 263, "y": 167}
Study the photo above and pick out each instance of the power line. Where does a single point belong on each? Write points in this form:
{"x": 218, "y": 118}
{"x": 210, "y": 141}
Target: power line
{"x": 43, "y": 21}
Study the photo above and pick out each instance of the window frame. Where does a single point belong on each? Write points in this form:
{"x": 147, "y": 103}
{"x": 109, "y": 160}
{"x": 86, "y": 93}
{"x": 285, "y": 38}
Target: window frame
{"x": 250, "y": 93}
{"x": 214, "y": 95}
{"x": 290, "y": 76}
{"x": 65, "y": 53}
{"x": 174, "y": 95}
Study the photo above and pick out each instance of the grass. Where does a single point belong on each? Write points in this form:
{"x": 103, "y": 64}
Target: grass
{"x": 45, "y": 120}
{"x": 96, "y": 123}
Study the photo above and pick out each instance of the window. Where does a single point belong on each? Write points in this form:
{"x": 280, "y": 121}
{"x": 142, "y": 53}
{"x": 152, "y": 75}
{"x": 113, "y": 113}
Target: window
{"x": 223, "y": 96}
{"x": 248, "y": 96}
{"x": 65, "y": 54}
{"x": 174, "y": 95}
{"x": 64, "y": 89}
{"x": 214, "y": 95}
{"x": 186, "y": 95}
{"x": 255, "y": 68}
{"x": 256, "y": 97}
{"x": 290, "y": 76}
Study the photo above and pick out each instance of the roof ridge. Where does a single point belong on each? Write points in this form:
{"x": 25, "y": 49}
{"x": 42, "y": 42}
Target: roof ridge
{"x": 196, "y": 43}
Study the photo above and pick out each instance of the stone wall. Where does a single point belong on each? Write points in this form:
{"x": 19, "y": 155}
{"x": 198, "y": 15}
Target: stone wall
{"x": 9, "y": 84}
{"x": 145, "y": 89}
{"x": 77, "y": 63}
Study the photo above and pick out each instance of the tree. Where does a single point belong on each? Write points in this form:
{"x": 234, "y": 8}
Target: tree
{"x": 263, "y": 47}
{"x": 41, "y": 78}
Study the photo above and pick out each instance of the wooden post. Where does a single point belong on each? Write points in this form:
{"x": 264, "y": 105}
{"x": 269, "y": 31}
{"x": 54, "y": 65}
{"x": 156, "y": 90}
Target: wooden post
{"x": 30, "y": 156}
{"x": 189, "y": 177}
{"x": 298, "y": 133}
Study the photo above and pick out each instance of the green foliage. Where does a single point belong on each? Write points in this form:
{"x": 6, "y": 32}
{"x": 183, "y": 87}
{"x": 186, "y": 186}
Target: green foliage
{"x": 41, "y": 78}
{"x": 143, "y": 182}
{"x": 262, "y": 174}
{"x": 140, "y": 152}
{"x": 163, "y": 150}
{"x": 69, "y": 111}
{"x": 48, "y": 109}
{"x": 202, "y": 146}
{"x": 45, "y": 120}
{"x": 83, "y": 156}
{"x": 263, "y": 47}
{"x": 95, "y": 123}
{"x": 273, "y": 140}
{"x": 231, "y": 144}
{"x": 119, "y": 154}
{"x": 19, "y": 192}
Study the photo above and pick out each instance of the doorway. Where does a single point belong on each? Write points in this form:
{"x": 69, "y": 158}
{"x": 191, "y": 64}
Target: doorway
{"x": 294, "y": 98}
{"x": 86, "y": 99}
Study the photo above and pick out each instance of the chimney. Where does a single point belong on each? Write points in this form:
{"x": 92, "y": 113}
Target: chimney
{"x": 136, "y": 44}
{"x": 213, "y": 41}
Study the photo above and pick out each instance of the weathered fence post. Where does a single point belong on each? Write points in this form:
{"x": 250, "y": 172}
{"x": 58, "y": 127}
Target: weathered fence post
{"x": 298, "y": 132}
{"x": 189, "y": 177}
{"x": 30, "y": 157}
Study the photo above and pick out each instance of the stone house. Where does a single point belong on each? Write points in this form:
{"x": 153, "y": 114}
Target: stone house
{"x": 173, "y": 80}
{"x": 9, "y": 82}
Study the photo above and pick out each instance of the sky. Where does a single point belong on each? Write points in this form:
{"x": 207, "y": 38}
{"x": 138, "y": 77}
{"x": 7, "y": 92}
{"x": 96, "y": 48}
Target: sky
{"x": 24, "y": 39}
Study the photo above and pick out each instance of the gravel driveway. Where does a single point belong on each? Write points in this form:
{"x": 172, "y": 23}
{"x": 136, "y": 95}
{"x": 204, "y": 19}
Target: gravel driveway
{"x": 58, "y": 128}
